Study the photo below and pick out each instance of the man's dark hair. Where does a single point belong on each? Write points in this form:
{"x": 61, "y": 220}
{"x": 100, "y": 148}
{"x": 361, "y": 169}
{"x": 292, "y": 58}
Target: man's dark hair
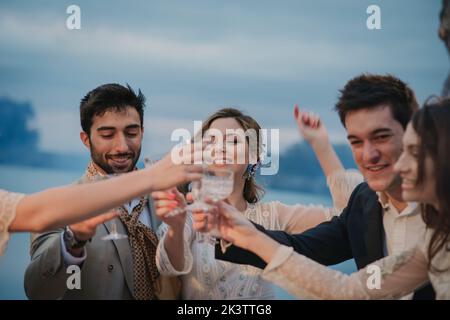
{"x": 108, "y": 97}
{"x": 369, "y": 91}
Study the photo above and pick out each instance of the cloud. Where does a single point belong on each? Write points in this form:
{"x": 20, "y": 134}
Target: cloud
{"x": 190, "y": 58}
{"x": 241, "y": 54}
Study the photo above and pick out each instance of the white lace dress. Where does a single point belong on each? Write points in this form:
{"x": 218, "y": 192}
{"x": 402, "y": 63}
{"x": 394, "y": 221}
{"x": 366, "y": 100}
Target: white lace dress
{"x": 397, "y": 275}
{"x": 204, "y": 277}
{"x": 8, "y": 204}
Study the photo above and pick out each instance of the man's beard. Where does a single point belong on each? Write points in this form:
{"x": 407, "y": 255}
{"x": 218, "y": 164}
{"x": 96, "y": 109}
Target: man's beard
{"x": 98, "y": 159}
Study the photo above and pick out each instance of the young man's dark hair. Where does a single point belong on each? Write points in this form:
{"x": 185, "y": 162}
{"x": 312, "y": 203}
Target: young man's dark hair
{"x": 370, "y": 91}
{"x": 107, "y": 97}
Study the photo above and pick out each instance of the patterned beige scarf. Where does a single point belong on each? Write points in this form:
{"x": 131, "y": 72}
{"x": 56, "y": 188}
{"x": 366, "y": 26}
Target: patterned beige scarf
{"x": 143, "y": 242}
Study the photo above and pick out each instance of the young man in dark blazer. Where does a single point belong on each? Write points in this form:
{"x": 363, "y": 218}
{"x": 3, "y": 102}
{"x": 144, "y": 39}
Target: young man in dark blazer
{"x": 377, "y": 222}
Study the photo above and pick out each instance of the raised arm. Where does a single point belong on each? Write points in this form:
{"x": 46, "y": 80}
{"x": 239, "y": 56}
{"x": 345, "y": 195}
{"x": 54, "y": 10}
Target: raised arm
{"x": 390, "y": 277}
{"x": 300, "y": 217}
{"x": 314, "y": 132}
{"x": 55, "y": 207}
{"x": 173, "y": 256}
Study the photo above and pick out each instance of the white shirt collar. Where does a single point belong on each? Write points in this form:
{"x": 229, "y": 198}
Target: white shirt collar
{"x": 411, "y": 209}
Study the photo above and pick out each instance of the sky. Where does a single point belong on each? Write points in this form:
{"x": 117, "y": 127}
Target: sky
{"x": 191, "y": 58}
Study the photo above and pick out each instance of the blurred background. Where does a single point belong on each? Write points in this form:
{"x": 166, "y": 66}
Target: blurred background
{"x": 190, "y": 58}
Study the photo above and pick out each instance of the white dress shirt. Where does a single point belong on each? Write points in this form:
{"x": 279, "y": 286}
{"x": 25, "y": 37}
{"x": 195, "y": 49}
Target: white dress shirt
{"x": 402, "y": 230}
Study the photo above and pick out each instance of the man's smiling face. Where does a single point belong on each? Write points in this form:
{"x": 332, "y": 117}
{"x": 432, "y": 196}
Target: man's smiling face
{"x": 376, "y": 141}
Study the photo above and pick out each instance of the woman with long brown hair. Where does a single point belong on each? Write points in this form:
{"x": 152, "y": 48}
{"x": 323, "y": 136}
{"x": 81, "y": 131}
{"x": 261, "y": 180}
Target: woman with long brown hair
{"x": 181, "y": 254}
{"x": 424, "y": 167}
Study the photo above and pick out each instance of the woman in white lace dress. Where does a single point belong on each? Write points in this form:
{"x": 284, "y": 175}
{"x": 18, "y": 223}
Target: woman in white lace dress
{"x": 181, "y": 254}
{"x": 425, "y": 170}
{"x": 54, "y": 208}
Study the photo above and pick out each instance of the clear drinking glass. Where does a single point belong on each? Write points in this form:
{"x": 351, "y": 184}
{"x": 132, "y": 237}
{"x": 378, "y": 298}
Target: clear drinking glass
{"x": 198, "y": 203}
{"x": 114, "y": 235}
{"x": 217, "y": 183}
